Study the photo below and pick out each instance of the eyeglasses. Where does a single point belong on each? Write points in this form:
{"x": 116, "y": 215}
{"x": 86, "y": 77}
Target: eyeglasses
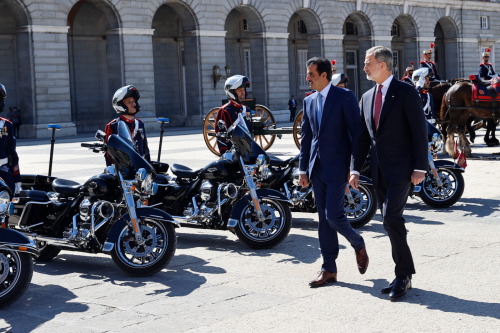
{"x": 486, "y": 56}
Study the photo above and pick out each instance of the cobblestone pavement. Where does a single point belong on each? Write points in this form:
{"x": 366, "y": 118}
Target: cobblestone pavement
{"x": 215, "y": 283}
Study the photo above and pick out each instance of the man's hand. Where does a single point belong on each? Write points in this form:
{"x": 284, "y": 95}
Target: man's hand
{"x": 303, "y": 180}
{"x": 354, "y": 181}
{"x": 417, "y": 177}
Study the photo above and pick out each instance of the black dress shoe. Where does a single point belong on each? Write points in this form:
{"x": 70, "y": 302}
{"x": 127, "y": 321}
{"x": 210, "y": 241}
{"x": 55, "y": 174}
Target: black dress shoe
{"x": 400, "y": 287}
{"x": 388, "y": 289}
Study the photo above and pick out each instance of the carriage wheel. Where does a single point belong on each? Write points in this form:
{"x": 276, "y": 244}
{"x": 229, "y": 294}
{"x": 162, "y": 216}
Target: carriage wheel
{"x": 209, "y": 127}
{"x": 297, "y": 129}
{"x": 266, "y": 119}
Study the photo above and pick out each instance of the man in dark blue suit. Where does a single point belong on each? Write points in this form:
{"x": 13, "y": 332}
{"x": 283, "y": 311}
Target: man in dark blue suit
{"x": 394, "y": 126}
{"x": 329, "y": 125}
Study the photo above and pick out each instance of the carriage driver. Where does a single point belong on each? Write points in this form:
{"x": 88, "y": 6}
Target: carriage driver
{"x": 236, "y": 92}
{"x": 125, "y": 102}
{"x": 9, "y": 160}
{"x": 427, "y": 63}
{"x": 421, "y": 80}
{"x": 486, "y": 71}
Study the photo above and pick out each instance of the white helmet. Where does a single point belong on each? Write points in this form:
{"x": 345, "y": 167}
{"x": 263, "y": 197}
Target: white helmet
{"x": 233, "y": 83}
{"x": 339, "y": 78}
{"x": 421, "y": 72}
{"x": 121, "y": 94}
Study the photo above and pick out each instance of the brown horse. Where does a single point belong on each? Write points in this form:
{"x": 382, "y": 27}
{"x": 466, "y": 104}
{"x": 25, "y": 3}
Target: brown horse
{"x": 437, "y": 91}
{"x": 456, "y": 108}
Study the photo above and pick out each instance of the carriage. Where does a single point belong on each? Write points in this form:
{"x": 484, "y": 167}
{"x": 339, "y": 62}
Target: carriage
{"x": 264, "y": 127}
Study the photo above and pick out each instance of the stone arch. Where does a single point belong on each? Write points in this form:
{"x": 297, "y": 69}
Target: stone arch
{"x": 175, "y": 45}
{"x": 357, "y": 31}
{"x": 95, "y": 61}
{"x": 304, "y": 42}
{"x": 446, "y": 52}
{"x": 16, "y": 62}
{"x": 245, "y": 49}
{"x": 404, "y": 44}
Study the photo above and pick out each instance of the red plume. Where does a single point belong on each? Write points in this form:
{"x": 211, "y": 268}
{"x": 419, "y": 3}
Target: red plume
{"x": 334, "y": 62}
{"x": 432, "y": 45}
{"x": 412, "y": 63}
{"x": 488, "y": 50}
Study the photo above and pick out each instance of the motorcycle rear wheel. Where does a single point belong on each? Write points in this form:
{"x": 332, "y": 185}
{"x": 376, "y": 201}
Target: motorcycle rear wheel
{"x": 150, "y": 257}
{"x": 264, "y": 235}
{"x": 363, "y": 206}
{"x": 16, "y": 271}
{"x": 446, "y": 195}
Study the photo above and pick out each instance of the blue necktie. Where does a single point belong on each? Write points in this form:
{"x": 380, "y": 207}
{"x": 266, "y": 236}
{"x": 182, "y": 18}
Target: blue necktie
{"x": 320, "y": 108}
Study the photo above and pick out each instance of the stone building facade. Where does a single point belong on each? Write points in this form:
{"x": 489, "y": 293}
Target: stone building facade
{"x": 62, "y": 60}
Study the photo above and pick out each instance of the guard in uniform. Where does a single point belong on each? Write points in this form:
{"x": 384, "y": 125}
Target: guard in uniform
{"x": 486, "y": 71}
{"x": 125, "y": 102}
{"x": 236, "y": 91}
{"x": 426, "y": 62}
{"x": 407, "y": 76}
{"x": 9, "y": 160}
{"x": 421, "y": 80}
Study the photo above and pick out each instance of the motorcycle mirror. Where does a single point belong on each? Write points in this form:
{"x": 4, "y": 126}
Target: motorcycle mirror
{"x": 100, "y": 135}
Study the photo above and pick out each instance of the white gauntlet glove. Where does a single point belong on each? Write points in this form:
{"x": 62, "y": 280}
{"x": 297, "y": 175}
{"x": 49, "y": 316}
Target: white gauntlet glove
{"x": 17, "y": 188}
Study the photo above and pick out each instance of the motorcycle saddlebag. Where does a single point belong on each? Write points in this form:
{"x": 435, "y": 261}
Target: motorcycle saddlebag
{"x": 29, "y": 207}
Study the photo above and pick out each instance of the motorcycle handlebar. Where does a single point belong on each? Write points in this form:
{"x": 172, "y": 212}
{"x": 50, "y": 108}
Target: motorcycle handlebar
{"x": 96, "y": 147}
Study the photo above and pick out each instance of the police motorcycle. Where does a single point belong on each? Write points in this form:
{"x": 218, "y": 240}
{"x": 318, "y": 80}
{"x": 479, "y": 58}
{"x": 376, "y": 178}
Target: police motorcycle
{"x": 223, "y": 195}
{"x": 107, "y": 214}
{"x": 444, "y": 183}
{"x": 360, "y": 205}
{"x": 16, "y": 255}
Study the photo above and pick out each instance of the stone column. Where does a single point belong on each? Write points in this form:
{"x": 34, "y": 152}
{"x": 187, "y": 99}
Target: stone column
{"x": 52, "y": 102}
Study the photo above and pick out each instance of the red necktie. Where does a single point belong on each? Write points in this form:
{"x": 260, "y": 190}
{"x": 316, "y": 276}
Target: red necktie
{"x": 378, "y": 106}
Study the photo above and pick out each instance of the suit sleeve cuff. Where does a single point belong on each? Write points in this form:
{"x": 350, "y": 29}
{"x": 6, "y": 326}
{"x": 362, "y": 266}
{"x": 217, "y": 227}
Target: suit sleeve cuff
{"x": 354, "y": 172}
{"x": 302, "y": 172}
{"x": 424, "y": 171}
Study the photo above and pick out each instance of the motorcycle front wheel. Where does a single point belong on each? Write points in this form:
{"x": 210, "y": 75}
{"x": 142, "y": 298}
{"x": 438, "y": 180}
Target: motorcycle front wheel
{"x": 361, "y": 205}
{"x": 16, "y": 270}
{"x": 269, "y": 232}
{"x": 448, "y": 194}
{"x": 149, "y": 257}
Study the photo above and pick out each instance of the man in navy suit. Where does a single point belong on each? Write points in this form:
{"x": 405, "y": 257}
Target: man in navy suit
{"x": 329, "y": 125}
{"x": 394, "y": 126}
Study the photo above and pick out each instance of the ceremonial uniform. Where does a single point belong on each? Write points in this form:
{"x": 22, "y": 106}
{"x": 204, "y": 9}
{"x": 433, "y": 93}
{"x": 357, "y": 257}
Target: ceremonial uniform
{"x": 428, "y": 103}
{"x": 9, "y": 160}
{"x": 137, "y": 132}
{"x": 432, "y": 67}
{"x": 486, "y": 71}
{"x": 229, "y": 113}
{"x": 407, "y": 79}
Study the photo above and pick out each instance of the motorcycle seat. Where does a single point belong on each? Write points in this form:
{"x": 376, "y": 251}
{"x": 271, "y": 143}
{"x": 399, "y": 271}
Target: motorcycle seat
{"x": 275, "y": 161}
{"x": 66, "y": 187}
{"x": 182, "y": 171}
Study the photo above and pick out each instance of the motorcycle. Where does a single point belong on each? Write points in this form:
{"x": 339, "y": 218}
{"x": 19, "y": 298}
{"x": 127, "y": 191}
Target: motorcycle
{"x": 16, "y": 255}
{"x": 223, "y": 195}
{"x": 444, "y": 184}
{"x": 107, "y": 214}
{"x": 360, "y": 205}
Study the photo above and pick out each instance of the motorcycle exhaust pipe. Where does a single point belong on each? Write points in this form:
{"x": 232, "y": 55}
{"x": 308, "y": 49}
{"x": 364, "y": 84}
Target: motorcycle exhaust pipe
{"x": 52, "y": 241}
{"x": 230, "y": 190}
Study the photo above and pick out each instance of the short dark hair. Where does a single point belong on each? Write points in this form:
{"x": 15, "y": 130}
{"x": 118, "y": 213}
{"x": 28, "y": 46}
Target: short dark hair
{"x": 323, "y": 65}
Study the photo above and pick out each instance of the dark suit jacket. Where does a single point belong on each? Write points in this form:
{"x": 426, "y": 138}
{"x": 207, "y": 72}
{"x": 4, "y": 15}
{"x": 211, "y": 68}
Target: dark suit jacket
{"x": 400, "y": 144}
{"x": 333, "y": 138}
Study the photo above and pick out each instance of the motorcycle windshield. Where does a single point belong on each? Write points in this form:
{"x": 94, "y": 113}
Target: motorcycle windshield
{"x": 121, "y": 148}
{"x": 244, "y": 144}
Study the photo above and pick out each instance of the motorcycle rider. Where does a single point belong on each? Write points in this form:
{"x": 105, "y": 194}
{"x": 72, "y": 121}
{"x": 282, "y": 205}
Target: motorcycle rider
{"x": 125, "y": 102}
{"x": 235, "y": 88}
{"x": 9, "y": 160}
{"x": 421, "y": 80}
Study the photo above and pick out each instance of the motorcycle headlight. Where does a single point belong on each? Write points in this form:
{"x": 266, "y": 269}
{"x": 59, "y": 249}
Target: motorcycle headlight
{"x": 4, "y": 202}
{"x": 148, "y": 185}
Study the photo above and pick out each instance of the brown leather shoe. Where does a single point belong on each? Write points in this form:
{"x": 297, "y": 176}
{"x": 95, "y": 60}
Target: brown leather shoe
{"x": 323, "y": 278}
{"x": 362, "y": 260}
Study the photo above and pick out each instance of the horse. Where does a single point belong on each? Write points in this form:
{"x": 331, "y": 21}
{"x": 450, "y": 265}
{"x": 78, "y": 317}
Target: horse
{"x": 456, "y": 108}
{"x": 437, "y": 91}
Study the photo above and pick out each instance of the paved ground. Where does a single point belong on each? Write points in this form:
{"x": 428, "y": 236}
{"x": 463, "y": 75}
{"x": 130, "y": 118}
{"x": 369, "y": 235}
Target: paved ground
{"x": 214, "y": 283}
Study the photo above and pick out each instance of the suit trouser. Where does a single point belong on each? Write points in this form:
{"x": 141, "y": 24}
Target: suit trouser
{"x": 332, "y": 219}
{"x": 392, "y": 199}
